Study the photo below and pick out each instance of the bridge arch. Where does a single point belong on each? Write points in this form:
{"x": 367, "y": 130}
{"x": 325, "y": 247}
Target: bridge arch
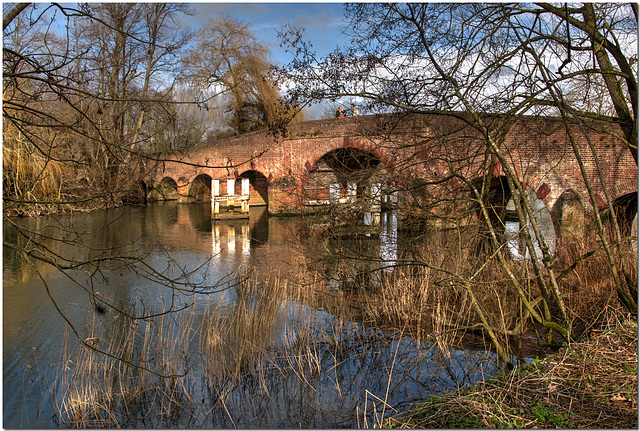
{"x": 626, "y": 209}
{"x": 497, "y": 198}
{"x": 164, "y": 190}
{"x": 169, "y": 183}
{"x": 200, "y": 189}
{"x": 340, "y": 173}
{"x": 258, "y": 187}
{"x": 169, "y": 188}
{"x": 568, "y": 213}
{"x": 354, "y": 146}
{"x": 502, "y": 212}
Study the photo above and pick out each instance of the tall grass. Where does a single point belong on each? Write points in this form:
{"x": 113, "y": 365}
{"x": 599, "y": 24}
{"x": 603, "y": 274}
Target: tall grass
{"x": 255, "y": 359}
{"x": 429, "y": 292}
{"x": 585, "y": 277}
{"x": 135, "y": 375}
{"x": 27, "y": 173}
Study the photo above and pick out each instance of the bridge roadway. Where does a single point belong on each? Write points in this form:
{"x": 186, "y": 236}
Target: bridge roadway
{"x": 317, "y": 161}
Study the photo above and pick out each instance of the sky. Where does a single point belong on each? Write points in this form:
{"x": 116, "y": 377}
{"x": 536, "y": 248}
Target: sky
{"x": 321, "y": 21}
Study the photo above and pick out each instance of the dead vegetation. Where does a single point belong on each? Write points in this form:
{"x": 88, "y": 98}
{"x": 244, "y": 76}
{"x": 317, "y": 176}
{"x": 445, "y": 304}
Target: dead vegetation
{"x": 587, "y": 384}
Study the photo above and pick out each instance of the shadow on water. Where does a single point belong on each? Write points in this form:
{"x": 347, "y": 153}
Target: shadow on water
{"x": 259, "y": 355}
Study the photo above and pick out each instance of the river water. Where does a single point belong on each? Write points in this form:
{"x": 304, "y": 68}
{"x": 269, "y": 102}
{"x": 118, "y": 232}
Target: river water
{"x": 345, "y": 391}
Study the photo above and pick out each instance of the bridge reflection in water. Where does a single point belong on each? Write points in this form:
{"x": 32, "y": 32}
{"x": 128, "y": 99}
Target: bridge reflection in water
{"x": 358, "y": 260}
{"x": 235, "y": 237}
{"x": 513, "y": 231}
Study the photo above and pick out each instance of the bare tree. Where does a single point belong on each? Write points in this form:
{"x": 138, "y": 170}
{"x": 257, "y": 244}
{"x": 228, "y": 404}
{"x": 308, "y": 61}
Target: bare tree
{"x": 85, "y": 115}
{"x": 486, "y": 67}
{"x": 229, "y": 58}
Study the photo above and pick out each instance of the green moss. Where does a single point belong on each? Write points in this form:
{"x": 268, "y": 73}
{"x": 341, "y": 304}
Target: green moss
{"x": 460, "y": 421}
{"x": 547, "y": 416}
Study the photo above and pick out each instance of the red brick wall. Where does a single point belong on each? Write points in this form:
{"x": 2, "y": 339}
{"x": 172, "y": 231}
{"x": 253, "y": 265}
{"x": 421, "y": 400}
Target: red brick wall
{"x": 538, "y": 150}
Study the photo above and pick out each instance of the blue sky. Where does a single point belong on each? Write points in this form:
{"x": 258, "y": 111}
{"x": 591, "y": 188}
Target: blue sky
{"x": 321, "y": 21}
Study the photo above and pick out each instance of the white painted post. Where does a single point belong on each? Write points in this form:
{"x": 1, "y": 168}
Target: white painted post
{"x": 375, "y": 218}
{"x": 352, "y": 188}
{"x": 390, "y": 198}
{"x": 231, "y": 191}
{"x": 215, "y": 192}
{"x": 383, "y": 195}
{"x": 245, "y": 195}
{"x": 231, "y": 186}
{"x": 245, "y": 187}
{"x": 375, "y": 196}
{"x": 334, "y": 192}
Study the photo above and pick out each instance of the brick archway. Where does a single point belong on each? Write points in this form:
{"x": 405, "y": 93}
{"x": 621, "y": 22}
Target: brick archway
{"x": 341, "y": 173}
{"x": 200, "y": 190}
{"x": 417, "y": 147}
{"x": 258, "y": 187}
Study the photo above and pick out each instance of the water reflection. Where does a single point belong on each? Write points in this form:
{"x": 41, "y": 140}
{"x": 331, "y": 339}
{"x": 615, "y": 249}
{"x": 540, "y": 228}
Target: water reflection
{"x": 363, "y": 258}
{"x": 351, "y": 360}
{"x": 513, "y": 231}
{"x": 389, "y": 240}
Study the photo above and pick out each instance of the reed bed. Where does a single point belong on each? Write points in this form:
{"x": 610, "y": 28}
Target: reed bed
{"x": 28, "y": 175}
{"x": 585, "y": 278}
{"x": 423, "y": 292}
{"x": 257, "y": 358}
{"x": 129, "y": 374}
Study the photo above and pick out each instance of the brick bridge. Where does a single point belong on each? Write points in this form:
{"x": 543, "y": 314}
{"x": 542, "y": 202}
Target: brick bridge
{"x": 320, "y": 161}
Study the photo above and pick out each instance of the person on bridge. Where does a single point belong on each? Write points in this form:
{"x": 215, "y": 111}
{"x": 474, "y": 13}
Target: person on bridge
{"x": 354, "y": 110}
{"x": 340, "y": 112}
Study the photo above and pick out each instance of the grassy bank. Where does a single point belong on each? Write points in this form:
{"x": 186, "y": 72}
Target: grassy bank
{"x": 588, "y": 384}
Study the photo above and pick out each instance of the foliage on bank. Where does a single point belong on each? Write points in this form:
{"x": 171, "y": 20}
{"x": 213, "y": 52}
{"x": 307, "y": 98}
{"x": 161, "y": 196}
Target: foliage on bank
{"x": 587, "y": 384}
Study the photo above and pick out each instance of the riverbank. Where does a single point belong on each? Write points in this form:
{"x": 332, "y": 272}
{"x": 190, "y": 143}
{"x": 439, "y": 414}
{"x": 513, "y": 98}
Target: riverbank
{"x": 588, "y": 384}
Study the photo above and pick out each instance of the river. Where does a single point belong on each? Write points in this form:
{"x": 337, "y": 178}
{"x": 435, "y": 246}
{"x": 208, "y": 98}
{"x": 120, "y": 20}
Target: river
{"x": 346, "y": 389}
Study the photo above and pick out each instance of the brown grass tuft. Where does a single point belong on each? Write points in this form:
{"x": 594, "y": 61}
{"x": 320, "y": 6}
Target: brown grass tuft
{"x": 590, "y": 384}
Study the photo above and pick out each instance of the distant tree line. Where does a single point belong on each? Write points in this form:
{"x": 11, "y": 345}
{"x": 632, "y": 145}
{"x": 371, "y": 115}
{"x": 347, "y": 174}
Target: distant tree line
{"x": 100, "y": 91}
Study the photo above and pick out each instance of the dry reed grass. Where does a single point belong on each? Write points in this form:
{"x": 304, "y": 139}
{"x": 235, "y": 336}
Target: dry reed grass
{"x": 585, "y": 279}
{"x": 40, "y": 177}
{"x": 250, "y": 345}
{"x": 425, "y": 294}
{"x": 133, "y": 377}
{"x": 27, "y": 173}
{"x": 590, "y": 384}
